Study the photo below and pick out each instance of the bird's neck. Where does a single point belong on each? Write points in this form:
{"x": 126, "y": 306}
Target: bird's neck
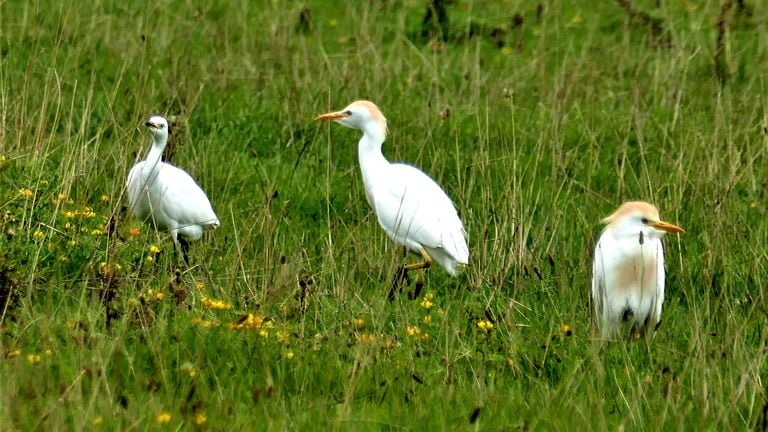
{"x": 372, "y": 161}
{"x": 155, "y": 153}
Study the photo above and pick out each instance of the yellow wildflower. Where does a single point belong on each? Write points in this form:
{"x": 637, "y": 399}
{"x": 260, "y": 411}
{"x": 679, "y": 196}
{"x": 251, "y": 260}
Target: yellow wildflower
{"x": 199, "y": 419}
{"x": 150, "y": 259}
{"x": 97, "y": 420}
{"x": 289, "y": 355}
{"x": 264, "y": 333}
{"x": 48, "y": 352}
{"x": 38, "y": 235}
{"x": 485, "y": 326}
{"x": 163, "y": 418}
{"x": 248, "y": 322}
{"x": 134, "y": 232}
{"x": 104, "y": 198}
{"x": 13, "y": 354}
{"x": 565, "y": 328}
{"x": 159, "y": 296}
{"x": 333, "y": 22}
{"x": 282, "y": 337}
{"x": 34, "y": 359}
{"x": 359, "y": 322}
{"x": 209, "y": 303}
{"x": 154, "y": 249}
{"x": 26, "y": 192}
{"x": 73, "y": 242}
{"x": 366, "y": 339}
{"x": 97, "y": 232}
{"x": 427, "y": 319}
{"x": 205, "y": 324}
{"x": 426, "y": 304}
{"x": 412, "y": 330}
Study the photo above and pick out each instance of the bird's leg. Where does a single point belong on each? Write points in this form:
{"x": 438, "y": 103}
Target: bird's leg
{"x": 419, "y": 285}
{"x": 184, "y": 245}
{"x": 397, "y": 282}
{"x": 427, "y": 261}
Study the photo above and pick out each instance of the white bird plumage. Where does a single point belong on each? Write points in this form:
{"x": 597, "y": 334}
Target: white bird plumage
{"x": 628, "y": 269}
{"x": 165, "y": 196}
{"x": 413, "y": 209}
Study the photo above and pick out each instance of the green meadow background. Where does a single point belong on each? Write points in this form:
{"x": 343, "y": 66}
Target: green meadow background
{"x": 538, "y": 119}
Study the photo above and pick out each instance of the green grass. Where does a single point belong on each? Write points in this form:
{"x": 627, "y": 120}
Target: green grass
{"x": 536, "y": 141}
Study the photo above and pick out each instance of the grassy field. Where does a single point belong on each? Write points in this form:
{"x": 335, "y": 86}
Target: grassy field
{"x": 538, "y": 119}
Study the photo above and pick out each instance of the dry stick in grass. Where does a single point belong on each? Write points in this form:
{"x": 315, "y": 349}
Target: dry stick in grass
{"x": 660, "y": 37}
{"x": 721, "y": 63}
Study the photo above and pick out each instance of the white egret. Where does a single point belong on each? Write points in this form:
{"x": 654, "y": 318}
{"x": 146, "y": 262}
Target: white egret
{"x": 628, "y": 269}
{"x": 166, "y": 196}
{"x": 411, "y": 208}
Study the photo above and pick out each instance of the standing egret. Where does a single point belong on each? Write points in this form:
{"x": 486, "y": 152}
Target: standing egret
{"x": 166, "y": 196}
{"x": 628, "y": 271}
{"x": 411, "y": 208}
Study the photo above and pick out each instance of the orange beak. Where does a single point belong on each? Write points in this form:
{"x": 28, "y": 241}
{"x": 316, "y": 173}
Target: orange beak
{"x": 666, "y": 226}
{"x": 332, "y": 116}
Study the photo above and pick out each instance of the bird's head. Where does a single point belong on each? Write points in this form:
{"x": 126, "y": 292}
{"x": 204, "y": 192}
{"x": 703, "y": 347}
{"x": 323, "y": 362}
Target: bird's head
{"x": 362, "y": 115}
{"x": 158, "y": 126}
{"x": 638, "y": 216}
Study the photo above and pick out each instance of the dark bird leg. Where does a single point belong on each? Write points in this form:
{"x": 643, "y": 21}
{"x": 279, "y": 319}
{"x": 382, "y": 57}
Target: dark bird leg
{"x": 184, "y": 246}
{"x": 402, "y": 274}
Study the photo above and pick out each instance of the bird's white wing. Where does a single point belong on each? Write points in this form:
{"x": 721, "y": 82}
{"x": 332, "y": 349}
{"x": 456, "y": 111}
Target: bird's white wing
{"x": 655, "y": 315}
{"x": 414, "y": 210}
{"x": 598, "y": 285}
{"x": 183, "y": 200}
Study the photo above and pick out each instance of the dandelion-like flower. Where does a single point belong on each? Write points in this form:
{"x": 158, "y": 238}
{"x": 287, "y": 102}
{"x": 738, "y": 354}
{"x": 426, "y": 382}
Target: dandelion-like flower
{"x": 163, "y": 418}
{"x": 26, "y": 193}
{"x": 134, "y": 232}
{"x": 566, "y": 329}
{"x": 412, "y": 330}
{"x": 289, "y": 355}
{"x": 103, "y": 198}
{"x": 38, "y": 235}
{"x": 199, "y": 419}
{"x": 34, "y": 359}
{"x": 154, "y": 250}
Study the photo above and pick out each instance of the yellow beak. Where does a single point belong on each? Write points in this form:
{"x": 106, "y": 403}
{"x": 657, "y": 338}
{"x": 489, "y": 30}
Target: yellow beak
{"x": 666, "y": 226}
{"x": 332, "y": 116}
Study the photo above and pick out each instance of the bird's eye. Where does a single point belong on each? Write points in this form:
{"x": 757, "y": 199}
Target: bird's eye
{"x": 644, "y": 221}
{"x": 348, "y": 113}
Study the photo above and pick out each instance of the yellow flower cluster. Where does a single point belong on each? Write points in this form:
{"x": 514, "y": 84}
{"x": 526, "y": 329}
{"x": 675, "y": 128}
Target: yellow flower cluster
{"x": 34, "y": 359}
{"x": 86, "y": 212}
{"x": 485, "y": 326}
{"x": 366, "y": 339}
{"x": 26, "y": 193}
{"x": 412, "y": 330}
{"x": 427, "y": 302}
{"x": 163, "y": 418}
{"x": 199, "y": 419}
{"x": 248, "y": 322}
{"x": 205, "y": 324}
{"x": 210, "y": 303}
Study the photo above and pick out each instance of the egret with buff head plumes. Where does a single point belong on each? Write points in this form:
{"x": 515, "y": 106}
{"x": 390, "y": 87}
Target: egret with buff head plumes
{"x": 167, "y": 197}
{"x": 413, "y": 209}
{"x": 628, "y": 270}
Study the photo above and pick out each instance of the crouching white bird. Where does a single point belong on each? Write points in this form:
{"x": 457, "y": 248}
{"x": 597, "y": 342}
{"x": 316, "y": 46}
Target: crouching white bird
{"x": 628, "y": 271}
{"x": 411, "y": 208}
{"x": 167, "y": 197}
